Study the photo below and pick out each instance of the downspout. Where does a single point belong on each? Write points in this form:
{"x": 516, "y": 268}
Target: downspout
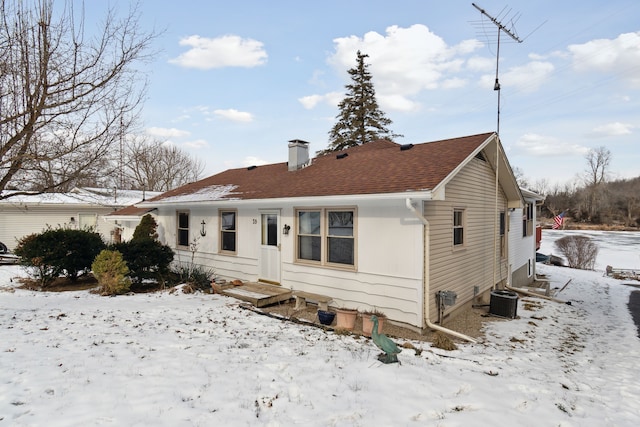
{"x": 425, "y": 277}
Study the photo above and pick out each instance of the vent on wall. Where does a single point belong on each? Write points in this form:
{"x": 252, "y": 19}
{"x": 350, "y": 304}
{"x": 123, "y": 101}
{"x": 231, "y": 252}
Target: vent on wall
{"x": 481, "y": 156}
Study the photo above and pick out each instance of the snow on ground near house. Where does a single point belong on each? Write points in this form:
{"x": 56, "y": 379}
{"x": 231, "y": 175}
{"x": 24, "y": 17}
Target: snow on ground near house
{"x": 162, "y": 359}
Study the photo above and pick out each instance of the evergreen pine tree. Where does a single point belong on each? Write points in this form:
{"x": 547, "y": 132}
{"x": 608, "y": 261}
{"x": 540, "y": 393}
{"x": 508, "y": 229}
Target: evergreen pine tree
{"x": 147, "y": 229}
{"x": 360, "y": 119}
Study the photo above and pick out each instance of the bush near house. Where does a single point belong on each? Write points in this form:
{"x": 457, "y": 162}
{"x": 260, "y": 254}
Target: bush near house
{"x": 146, "y": 259}
{"x": 580, "y": 251}
{"x": 59, "y": 251}
{"x": 111, "y": 270}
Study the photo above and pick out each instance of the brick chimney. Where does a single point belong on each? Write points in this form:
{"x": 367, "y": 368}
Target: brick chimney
{"x": 298, "y": 154}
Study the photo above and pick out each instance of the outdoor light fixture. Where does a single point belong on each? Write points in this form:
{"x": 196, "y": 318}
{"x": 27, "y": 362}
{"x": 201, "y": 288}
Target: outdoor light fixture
{"x": 72, "y": 220}
{"x": 203, "y": 232}
{"x": 285, "y": 229}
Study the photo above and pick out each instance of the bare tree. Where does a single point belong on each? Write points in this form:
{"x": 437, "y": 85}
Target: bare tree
{"x": 66, "y": 97}
{"x": 158, "y": 166}
{"x": 521, "y": 179}
{"x": 598, "y": 160}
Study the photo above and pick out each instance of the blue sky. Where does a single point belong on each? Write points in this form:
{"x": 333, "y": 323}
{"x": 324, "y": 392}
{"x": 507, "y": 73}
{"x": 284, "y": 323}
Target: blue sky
{"x": 232, "y": 82}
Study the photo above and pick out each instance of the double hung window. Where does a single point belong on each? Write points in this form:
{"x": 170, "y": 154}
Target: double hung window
{"x": 182, "y": 234}
{"x": 228, "y": 231}
{"x": 527, "y": 220}
{"x": 458, "y": 227}
{"x": 326, "y": 236}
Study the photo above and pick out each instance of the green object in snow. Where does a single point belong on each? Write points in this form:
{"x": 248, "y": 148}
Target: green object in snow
{"x": 385, "y": 344}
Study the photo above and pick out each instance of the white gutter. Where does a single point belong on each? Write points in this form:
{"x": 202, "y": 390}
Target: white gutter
{"x": 191, "y": 199}
{"x": 425, "y": 278}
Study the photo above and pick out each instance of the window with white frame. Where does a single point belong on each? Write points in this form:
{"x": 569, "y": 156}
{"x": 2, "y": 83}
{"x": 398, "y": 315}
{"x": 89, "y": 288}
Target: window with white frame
{"x": 182, "y": 235}
{"x": 87, "y": 221}
{"x": 326, "y": 236}
{"x": 527, "y": 220}
{"x": 228, "y": 231}
{"x": 458, "y": 227}
{"x": 503, "y": 234}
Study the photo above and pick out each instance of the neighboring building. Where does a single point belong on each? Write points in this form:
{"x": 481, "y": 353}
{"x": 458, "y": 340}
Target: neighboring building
{"x": 22, "y": 215}
{"x": 381, "y": 225}
{"x": 126, "y": 220}
{"x": 524, "y": 239}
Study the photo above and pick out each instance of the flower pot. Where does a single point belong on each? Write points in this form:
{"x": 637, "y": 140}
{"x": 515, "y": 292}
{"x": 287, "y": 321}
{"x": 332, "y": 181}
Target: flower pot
{"x": 367, "y": 324}
{"x": 326, "y": 317}
{"x": 346, "y": 318}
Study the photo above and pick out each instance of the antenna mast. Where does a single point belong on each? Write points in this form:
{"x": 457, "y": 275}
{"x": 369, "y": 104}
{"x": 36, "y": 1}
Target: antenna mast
{"x": 511, "y": 33}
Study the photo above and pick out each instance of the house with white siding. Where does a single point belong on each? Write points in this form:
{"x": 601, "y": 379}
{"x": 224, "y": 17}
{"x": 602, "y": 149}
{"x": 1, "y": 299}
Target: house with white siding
{"x": 82, "y": 207}
{"x": 524, "y": 239}
{"x": 380, "y": 225}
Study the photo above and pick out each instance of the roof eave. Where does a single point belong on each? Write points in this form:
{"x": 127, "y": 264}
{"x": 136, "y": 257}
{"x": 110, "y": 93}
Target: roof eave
{"x": 333, "y": 199}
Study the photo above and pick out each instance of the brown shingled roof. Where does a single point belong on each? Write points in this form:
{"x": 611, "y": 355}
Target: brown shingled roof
{"x": 374, "y": 168}
{"x": 130, "y": 211}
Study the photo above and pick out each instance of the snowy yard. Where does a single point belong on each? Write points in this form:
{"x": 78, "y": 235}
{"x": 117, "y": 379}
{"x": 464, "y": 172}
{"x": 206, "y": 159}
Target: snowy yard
{"x": 174, "y": 359}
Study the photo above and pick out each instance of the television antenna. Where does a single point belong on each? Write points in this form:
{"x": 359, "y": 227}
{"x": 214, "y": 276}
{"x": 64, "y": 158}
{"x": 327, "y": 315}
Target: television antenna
{"x": 502, "y": 28}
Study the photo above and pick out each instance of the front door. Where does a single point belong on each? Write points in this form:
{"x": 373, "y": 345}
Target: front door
{"x": 270, "y": 247}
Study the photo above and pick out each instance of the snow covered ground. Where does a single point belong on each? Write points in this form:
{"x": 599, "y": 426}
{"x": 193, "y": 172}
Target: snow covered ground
{"x": 174, "y": 359}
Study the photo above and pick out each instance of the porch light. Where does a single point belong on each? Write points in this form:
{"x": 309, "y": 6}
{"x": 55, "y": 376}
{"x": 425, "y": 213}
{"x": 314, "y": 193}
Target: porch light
{"x": 285, "y": 229}
{"x": 203, "y": 232}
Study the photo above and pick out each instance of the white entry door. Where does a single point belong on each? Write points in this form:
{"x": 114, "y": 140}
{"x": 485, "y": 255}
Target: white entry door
{"x": 270, "y": 247}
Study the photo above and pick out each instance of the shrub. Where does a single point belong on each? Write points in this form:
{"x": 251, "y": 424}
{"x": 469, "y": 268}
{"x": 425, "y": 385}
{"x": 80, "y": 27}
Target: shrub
{"x": 195, "y": 275}
{"x": 147, "y": 229}
{"x": 111, "y": 271}
{"x": 146, "y": 258}
{"x": 580, "y": 251}
{"x": 59, "y": 251}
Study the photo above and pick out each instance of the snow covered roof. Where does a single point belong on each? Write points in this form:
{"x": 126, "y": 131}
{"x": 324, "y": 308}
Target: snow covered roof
{"x": 83, "y": 196}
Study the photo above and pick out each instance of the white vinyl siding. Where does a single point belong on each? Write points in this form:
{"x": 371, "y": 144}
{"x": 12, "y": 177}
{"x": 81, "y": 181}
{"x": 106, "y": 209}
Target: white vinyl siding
{"x": 452, "y": 269}
{"x": 17, "y": 221}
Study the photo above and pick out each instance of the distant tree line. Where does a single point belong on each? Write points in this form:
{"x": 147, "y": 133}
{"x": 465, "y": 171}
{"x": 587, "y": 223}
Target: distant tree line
{"x": 593, "y": 198}
{"x": 612, "y": 203}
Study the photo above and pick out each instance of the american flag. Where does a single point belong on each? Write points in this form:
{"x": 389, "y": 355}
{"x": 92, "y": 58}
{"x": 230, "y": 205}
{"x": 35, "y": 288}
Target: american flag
{"x": 557, "y": 221}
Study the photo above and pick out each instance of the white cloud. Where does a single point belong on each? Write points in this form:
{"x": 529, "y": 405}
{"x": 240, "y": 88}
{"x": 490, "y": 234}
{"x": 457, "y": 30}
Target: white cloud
{"x": 253, "y": 161}
{"x": 398, "y": 103}
{"x": 532, "y": 144}
{"x": 311, "y": 101}
{"x": 528, "y": 77}
{"x": 167, "y": 132}
{"x": 234, "y": 115}
{"x": 620, "y": 56}
{"x": 196, "y": 143}
{"x": 537, "y": 57}
{"x": 611, "y": 129}
{"x": 478, "y": 63}
{"x": 225, "y": 51}
{"x": 405, "y": 61}
{"x": 454, "y": 83}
